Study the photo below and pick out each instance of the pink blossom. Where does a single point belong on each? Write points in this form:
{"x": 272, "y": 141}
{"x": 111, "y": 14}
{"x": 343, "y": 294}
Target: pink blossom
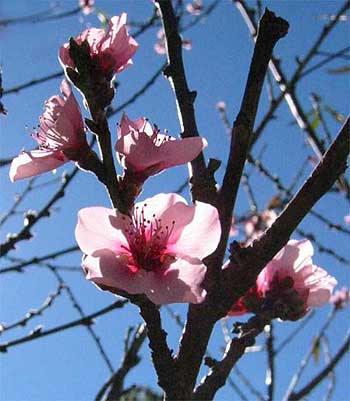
{"x": 61, "y": 137}
{"x": 159, "y": 47}
{"x": 340, "y": 298}
{"x": 195, "y": 8}
{"x": 347, "y": 219}
{"x": 157, "y": 252}
{"x": 288, "y": 285}
{"x": 146, "y": 152}
{"x": 112, "y": 49}
{"x": 87, "y": 6}
{"x": 291, "y": 283}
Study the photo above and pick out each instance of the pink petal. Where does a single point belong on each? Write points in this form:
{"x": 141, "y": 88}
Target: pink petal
{"x": 106, "y": 268}
{"x": 71, "y": 112}
{"x": 201, "y": 236}
{"x": 101, "y": 228}
{"x": 139, "y": 151}
{"x": 30, "y": 164}
{"x": 180, "y": 151}
{"x": 164, "y": 207}
{"x": 295, "y": 255}
{"x": 126, "y": 125}
{"x": 64, "y": 57}
{"x": 179, "y": 283}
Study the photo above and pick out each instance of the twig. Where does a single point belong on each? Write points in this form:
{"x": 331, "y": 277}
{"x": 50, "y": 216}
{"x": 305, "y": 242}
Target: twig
{"x": 25, "y": 233}
{"x": 33, "y": 82}
{"x": 130, "y": 360}
{"x": 76, "y": 305}
{"x": 307, "y": 357}
{"x": 19, "y": 266}
{"x": 18, "y": 199}
{"x": 247, "y": 383}
{"x": 288, "y": 88}
{"x": 234, "y": 350}
{"x": 87, "y": 320}
{"x": 331, "y": 375}
{"x": 277, "y": 182}
{"x": 42, "y": 16}
{"x": 293, "y": 334}
{"x": 324, "y": 372}
{"x": 271, "y": 354}
{"x": 32, "y": 313}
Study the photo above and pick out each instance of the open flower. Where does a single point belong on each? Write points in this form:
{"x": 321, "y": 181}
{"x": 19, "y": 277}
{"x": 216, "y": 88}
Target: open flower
{"x": 288, "y": 285}
{"x": 157, "y": 252}
{"x": 61, "y": 137}
{"x": 146, "y": 152}
{"x": 112, "y": 49}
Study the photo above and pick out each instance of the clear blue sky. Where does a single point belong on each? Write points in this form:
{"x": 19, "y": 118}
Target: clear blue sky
{"x": 67, "y": 366}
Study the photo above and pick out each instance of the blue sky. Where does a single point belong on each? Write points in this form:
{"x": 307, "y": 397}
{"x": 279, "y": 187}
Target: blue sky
{"x": 67, "y": 366}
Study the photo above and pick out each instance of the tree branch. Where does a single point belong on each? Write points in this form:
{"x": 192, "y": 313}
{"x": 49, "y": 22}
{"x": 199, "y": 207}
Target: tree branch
{"x": 87, "y": 320}
{"x": 203, "y": 185}
{"x": 318, "y": 378}
{"x": 248, "y": 262}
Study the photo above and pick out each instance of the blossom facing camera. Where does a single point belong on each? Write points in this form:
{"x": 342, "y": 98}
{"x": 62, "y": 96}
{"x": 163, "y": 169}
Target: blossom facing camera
{"x": 144, "y": 151}
{"x": 288, "y": 285}
{"x": 112, "y": 50}
{"x": 60, "y": 135}
{"x": 158, "y": 251}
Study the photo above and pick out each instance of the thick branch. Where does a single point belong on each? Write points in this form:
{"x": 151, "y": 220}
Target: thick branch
{"x": 221, "y": 370}
{"x": 162, "y": 358}
{"x": 288, "y": 88}
{"x": 271, "y": 29}
{"x": 201, "y": 318}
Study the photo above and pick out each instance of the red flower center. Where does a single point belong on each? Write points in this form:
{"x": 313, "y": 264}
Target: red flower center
{"x": 147, "y": 240}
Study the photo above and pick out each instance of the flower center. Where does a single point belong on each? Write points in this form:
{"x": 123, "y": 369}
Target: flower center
{"x": 148, "y": 241}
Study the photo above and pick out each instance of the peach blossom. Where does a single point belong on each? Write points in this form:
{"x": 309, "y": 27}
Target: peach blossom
{"x": 112, "y": 49}
{"x": 146, "y": 152}
{"x": 158, "y": 251}
{"x": 288, "y": 285}
{"x": 61, "y": 137}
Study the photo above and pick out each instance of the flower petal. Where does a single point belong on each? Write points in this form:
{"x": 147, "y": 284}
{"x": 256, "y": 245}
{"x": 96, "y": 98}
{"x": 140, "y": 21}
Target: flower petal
{"x": 139, "y": 151}
{"x": 180, "y": 151}
{"x": 201, "y": 236}
{"x": 30, "y": 164}
{"x": 295, "y": 255}
{"x": 101, "y": 228}
{"x": 178, "y": 284}
{"x": 104, "y": 267}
